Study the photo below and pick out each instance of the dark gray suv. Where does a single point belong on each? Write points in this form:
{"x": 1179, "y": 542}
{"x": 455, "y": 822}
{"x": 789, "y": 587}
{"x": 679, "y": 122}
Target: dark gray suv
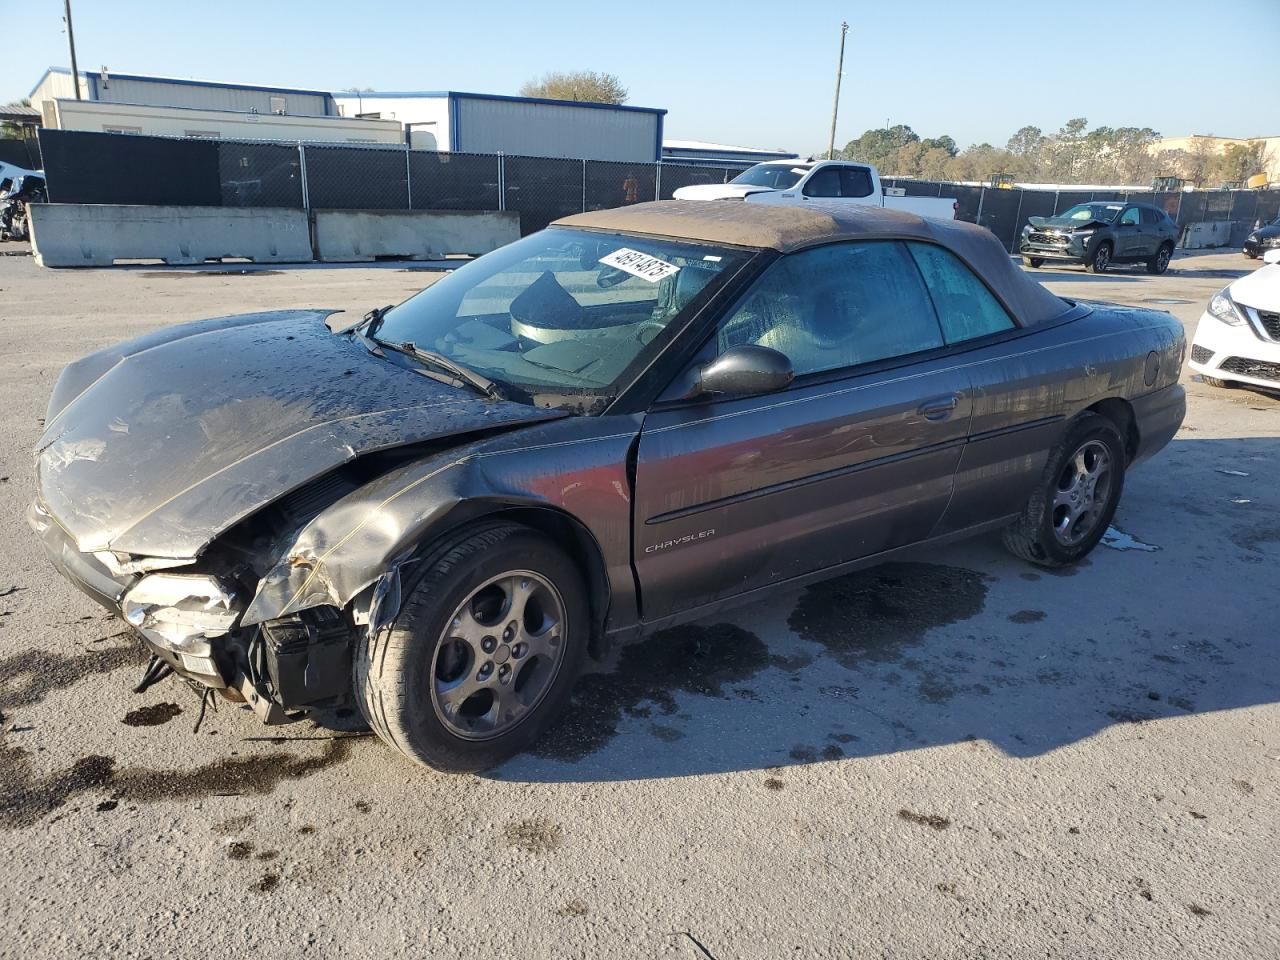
{"x": 1102, "y": 233}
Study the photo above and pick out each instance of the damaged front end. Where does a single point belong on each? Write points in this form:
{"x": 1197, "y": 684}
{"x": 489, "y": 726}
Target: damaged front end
{"x": 191, "y": 623}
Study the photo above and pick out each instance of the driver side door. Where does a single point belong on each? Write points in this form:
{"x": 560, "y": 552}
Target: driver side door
{"x": 1129, "y": 237}
{"x": 856, "y": 457}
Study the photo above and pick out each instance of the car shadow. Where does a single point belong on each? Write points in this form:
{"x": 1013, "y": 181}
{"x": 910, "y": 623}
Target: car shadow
{"x": 967, "y": 644}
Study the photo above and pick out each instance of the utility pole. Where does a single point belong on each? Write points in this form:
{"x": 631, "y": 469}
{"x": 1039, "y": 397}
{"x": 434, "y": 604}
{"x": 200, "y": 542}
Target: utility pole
{"x": 71, "y": 39}
{"x": 835, "y": 109}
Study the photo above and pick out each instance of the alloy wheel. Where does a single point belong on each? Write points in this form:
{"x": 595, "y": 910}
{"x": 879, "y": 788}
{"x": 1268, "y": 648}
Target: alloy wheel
{"x": 1084, "y": 487}
{"x": 498, "y": 655}
{"x": 1102, "y": 259}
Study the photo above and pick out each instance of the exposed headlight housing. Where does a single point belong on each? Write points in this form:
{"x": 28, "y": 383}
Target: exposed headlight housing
{"x": 1224, "y": 308}
{"x": 181, "y": 612}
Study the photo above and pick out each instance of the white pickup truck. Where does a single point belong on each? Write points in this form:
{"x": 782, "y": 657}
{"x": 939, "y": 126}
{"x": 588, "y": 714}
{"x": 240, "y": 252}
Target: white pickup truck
{"x": 789, "y": 181}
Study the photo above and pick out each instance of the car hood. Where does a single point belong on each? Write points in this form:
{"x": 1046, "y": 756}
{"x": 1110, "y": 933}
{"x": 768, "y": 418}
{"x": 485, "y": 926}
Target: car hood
{"x": 1263, "y": 233}
{"x": 1260, "y": 289}
{"x": 719, "y": 191}
{"x": 1063, "y": 223}
{"x": 155, "y": 447}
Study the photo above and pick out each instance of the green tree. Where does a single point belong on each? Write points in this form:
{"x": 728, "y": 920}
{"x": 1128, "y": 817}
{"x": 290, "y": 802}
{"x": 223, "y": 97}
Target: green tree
{"x": 878, "y": 147}
{"x": 943, "y": 142}
{"x": 585, "y": 85}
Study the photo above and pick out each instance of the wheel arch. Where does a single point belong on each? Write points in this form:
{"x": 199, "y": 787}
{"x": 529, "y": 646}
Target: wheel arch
{"x": 1120, "y": 412}
{"x": 571, "y": 534}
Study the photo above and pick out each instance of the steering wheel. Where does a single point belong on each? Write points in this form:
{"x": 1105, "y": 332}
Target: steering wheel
{"x": 648, "y": 330}
{"x": 611, "y": 277}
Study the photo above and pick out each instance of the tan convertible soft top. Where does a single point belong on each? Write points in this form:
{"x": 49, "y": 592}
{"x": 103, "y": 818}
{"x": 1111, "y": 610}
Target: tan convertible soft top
{"x": 787, "y": 228}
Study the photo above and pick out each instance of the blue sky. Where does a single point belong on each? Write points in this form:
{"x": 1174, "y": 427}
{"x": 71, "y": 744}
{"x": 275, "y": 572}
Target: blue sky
{"x": 753, "y": 73}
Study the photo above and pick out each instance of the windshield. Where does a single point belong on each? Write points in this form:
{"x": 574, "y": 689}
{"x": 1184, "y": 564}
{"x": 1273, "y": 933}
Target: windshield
{"x": 1084, "y": 212}
{"x": 565, "y": 317}
{"x": 779, "y": 176}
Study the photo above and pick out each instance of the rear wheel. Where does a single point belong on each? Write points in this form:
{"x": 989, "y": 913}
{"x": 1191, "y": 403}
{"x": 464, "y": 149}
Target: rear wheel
{"x": 1034, "y": 262}
{"x": 483, "y": 653}
{"x": 1076, "y": 498}
{"x": 1101, "y": 258}
{"x": 1160, "y": 262}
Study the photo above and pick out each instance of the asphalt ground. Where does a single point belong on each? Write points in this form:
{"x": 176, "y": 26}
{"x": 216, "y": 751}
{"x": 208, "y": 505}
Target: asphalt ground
{"x": 955, "y": 756}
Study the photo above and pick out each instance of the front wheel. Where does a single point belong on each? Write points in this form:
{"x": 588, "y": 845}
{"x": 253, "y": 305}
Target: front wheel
{"x": 1160, "y": 262}
{"x": 483, "y": 653}
{"x": 1034, "y": 262}
{"x": 1100, "y": 260}
{"x": 1076, "y": 498}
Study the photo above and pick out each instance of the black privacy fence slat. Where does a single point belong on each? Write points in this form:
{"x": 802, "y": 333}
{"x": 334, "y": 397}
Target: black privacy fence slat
{"x": 453, "y": 181}
{"x": 21, "y": 152}
{"x": 356, "y": 178}
{"x": 1001, "y": 214}
{"x": 1268, "y": 208}
{"x": 259, "y": 175}
{"x": 542, "y": 189}
{"x": 86, "y": 167}
{"x": 82, "y": 167}
{"x": 617, "y": 184}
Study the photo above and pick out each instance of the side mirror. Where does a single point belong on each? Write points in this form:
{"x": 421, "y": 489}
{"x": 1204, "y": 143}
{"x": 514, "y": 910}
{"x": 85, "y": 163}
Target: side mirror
{"x": 1272, "y": 256}
{"x": 744, "y": 371}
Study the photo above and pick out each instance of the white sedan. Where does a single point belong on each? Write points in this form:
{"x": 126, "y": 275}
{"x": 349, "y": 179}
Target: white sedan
{"x": 1238, "y": 338}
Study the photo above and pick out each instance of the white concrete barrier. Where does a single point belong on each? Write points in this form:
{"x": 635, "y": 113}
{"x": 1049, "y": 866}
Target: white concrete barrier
{"x": 359, "y": 235}
{"x": 96, "y": 235}
{"x": 1210, "y": 233}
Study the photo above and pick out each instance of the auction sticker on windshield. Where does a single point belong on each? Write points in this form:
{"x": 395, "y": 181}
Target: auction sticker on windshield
{"x": 639, "y": 264}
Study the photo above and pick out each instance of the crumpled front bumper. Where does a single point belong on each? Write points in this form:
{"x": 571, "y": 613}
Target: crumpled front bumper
{"x": 1076, "y": 249}
{"x": 197, "y": 660}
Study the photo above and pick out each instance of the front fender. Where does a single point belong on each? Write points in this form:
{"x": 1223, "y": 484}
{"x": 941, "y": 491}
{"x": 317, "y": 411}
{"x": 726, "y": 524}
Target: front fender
{"x": 576, "y": 466}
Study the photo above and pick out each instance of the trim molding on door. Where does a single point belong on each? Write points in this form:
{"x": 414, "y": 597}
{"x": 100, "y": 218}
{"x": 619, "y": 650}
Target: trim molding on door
{"x": 805, "y": 481}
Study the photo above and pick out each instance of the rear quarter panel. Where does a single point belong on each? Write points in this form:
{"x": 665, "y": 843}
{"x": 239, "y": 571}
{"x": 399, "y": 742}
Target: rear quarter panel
{"x": 1027, "y": 389}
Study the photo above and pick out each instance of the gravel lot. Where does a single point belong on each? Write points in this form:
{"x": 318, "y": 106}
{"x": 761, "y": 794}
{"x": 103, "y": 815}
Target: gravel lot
{"x": 955, "y": 757}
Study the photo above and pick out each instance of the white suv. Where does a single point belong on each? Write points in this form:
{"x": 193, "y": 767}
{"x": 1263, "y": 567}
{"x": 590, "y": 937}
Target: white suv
{"x": 1238, "y": 338}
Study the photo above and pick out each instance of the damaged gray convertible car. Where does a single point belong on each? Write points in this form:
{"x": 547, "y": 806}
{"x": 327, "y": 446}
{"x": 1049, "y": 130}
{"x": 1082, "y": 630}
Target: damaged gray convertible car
{"x": 633, "y": 418}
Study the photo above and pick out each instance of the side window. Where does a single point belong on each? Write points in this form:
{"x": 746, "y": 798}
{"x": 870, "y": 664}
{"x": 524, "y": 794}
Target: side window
{"x": 1130, "y": 216}
{"x": 824, "y": 183}
{"x": 855, "y": 182}
{"x": 1150, "y": 217}
{"x": 966, "y": 308}
{"x": 837, "y": 306}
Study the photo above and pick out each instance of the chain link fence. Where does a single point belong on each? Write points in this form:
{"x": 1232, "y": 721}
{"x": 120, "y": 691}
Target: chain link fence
{"x": 85, "y": 167}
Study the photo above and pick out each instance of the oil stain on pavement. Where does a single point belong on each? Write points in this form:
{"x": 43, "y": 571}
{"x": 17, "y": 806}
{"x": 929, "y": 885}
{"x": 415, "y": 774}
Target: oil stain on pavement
{"x": 873, "y": 614}
{"x": 26, "y": 797}
{"x": 694, "y": 659}
{"x": 26, "y": 678}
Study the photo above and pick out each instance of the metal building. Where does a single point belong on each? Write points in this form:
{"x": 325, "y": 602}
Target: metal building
{"x": 699, "y": 151}
{"x": 138, "y": 89}
{"x": 529, "y": 126}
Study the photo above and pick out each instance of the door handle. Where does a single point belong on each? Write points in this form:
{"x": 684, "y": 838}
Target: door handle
{"x": 939, "y": 408}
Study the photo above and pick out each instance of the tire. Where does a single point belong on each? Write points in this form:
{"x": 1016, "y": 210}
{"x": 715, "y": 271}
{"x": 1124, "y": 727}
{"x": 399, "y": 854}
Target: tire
{"x": 1251, "y": 256}
{"x": 1101, "y": 258}
{"x": 1034, "y": 263}
{"x": 1215, "y": 382}
{"x": 1034, "y": 536}
{"x": 1160, "y": 262}
{"x": 412, "y": 680}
